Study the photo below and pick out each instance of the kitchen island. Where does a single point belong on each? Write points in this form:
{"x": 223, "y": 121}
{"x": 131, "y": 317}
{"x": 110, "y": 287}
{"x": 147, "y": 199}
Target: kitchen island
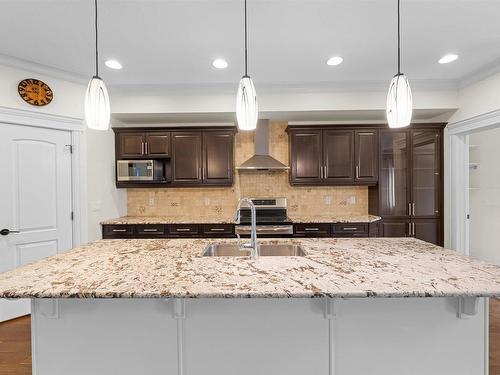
{"x": 159, "y": 307}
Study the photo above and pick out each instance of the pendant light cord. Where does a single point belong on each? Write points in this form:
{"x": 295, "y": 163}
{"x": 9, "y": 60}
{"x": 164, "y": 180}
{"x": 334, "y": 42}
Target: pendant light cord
{"x": 399, "y": 41}
{"x": 246, "y": 41}
{"x": 96, "y": 43}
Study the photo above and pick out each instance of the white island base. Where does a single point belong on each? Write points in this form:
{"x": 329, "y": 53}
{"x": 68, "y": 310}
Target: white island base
{"x": 372, "y": 336}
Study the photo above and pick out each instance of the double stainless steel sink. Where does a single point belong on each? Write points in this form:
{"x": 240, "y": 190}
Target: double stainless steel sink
{"x": 233, "y": 250}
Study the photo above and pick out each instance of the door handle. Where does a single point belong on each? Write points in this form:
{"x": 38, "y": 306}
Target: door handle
{"x": 6, "y": 232}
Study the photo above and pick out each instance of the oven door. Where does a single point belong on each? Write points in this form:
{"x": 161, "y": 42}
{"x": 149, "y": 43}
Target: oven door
{"x": 134, "y": 170}
{"x": 277, "y": 230}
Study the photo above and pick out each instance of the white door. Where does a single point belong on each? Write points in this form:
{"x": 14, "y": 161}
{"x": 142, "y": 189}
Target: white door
{"x": 35, "y": 200}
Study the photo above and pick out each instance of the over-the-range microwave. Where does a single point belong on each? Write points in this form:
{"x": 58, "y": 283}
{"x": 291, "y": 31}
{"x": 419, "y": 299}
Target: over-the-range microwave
{"x": 139, "y": 170}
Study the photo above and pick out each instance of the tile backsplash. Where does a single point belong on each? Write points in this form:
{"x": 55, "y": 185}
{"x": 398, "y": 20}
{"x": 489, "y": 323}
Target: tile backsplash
{"x": 221, "y": 202}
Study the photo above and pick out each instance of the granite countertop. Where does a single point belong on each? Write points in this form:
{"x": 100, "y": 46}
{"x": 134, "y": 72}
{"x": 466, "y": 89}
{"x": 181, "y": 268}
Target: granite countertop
{"x": 344, "y": 267}
{"x": 208, "y": 220}
{"x": 167, "y": 220}
{"x": 335, "y": 219}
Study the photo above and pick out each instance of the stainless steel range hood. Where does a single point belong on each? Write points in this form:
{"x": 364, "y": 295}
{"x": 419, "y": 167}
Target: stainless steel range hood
{"x": 262, "y": 160}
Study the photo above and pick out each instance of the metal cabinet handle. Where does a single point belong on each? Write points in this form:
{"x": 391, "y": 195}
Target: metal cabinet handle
{"x": 147, "y": 148}
{"x": 357, "y": 171}
{"x": 183, "y": 230}
{"x": 409, "y": 229}
{"x": 311, "y": 228}
{"x": 413, "y": 209}
{"x": 409, "y": 209}
{"x": 321, "y": 172}
{"x": 349, "y": 228}
{"x": 119, "y": 230}
{"x": 150, "y": 230}
{"x": 413, "y": 229}
{"x": 203, "y": 173}
{"x": 142, "y": 148}
{"x": 217, "y": 229}
{"x": 199, "y": 173}
{"x": 6, "y": 232}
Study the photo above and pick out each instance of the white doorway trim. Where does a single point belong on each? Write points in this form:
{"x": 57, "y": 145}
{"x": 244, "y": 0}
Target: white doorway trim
{"x": 458, "y": 155}
{"x": 76, "y": 127}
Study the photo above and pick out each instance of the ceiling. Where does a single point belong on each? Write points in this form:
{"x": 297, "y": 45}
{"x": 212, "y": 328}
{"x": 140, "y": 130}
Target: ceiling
{"x": 172, "y": 43}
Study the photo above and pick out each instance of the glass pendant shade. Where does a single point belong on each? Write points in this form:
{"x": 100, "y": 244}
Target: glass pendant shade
{"x": 246, "y": 105}
{"x": 399, "y": 102}
{"x": 97, "y": 107}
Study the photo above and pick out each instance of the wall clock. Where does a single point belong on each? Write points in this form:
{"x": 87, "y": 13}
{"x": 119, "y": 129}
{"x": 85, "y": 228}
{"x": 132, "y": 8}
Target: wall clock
{"x": 35, "y": 92}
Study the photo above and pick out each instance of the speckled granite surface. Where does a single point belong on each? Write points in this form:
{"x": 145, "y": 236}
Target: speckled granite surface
{"x": 336, "y": 219}
{"x": 219, "y": 220}
{"x": 167, "y": 220}
{"x": 364, "y": 267}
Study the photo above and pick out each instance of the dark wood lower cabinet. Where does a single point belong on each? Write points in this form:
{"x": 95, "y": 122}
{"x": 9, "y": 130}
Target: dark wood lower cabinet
{"x": 394, "y": 228}
{"x": 428, "y": 230}
{"x": 217, "y": 230}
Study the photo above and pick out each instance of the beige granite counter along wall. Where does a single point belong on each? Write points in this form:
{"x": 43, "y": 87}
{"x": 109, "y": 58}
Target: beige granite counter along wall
{"x": 221, "y": 202}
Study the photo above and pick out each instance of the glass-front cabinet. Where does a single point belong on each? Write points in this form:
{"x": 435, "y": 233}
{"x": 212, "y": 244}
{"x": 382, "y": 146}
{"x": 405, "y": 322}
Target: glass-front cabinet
{"x": 410, "y": 183}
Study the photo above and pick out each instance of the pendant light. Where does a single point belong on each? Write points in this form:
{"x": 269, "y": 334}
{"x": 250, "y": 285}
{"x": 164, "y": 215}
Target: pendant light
{"x": 399, "y": 100}
{"x": 246, "y": 99}
{"x": 97, "y": 108}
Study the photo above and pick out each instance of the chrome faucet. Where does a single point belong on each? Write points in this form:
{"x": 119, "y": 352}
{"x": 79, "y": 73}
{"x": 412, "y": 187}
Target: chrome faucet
{"x": 253, "y": 246}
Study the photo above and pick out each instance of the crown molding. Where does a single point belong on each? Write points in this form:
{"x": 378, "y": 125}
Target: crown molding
{"x": 486, "y": 71}
{"x": 39, "y": 119}
{"x": 34, "y": 67}
{"x": 483, "y": 122}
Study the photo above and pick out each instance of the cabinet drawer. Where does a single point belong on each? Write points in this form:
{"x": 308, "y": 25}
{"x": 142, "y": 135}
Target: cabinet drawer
{"x": 312, "y": 229}
{"x": 150, "y": 229}
{"x": 117, "y": 230}
{"x": 183, "y": 230}
{"x": 350, "y": 229}
{"x": 218, "y": 229}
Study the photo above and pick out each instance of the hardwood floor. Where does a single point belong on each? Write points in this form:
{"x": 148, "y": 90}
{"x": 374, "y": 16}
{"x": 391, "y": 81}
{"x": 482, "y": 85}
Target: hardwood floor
{"x": 15, "y": 347}
{"x": 494, "y": 336}
{"x": 15, "y": 344}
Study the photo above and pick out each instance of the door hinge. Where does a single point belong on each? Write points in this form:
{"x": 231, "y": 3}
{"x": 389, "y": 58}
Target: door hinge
{"x": 70, "y": 147}
{"x": 72, "y": 215}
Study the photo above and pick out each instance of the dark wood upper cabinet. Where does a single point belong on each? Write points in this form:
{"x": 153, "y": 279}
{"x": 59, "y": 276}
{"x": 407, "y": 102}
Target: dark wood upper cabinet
{"x": 158, "y": 144}
{"x": 366, "y": 155}
{"x": 217, "y": 157}
{"x": 187, "y": 158}
{"x": 338, "y": 156}
{"x": 306, "y": 156}
{"x": 143, "y": 145}
{"x": 333, "y": 155}
{"x": 130, "y": 145}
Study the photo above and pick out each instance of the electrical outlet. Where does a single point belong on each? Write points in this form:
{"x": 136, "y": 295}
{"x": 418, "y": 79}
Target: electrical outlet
{"x": 95, "y": 206}
{"x": 328, "y": 200}
{"x": 152, "y": 200}
{"x": 352, "y": 199}
{"x": 207, "y": 201}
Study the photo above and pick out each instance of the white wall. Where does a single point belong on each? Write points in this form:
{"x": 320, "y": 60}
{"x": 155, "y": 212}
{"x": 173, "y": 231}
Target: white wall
{"x": 484, "y": 199}
{"x": 473, "y": 100}
{"x": 97, "y": 153}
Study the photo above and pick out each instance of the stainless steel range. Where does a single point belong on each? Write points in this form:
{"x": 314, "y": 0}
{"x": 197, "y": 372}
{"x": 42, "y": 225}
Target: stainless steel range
{"x": 272, "y": 218}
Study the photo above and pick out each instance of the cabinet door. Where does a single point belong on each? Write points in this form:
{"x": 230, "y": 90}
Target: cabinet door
{"x": 218, "y": 157}
{"x": 186, "y": 158}
{"x": 396, "y": 228}
{"x": 366, "y": 156}
{"x": 427, "y": 230}
{"x": 394, "y": 176}
{"x": 425, "y": 173}
{"x": 158, "y": 144}
{"x": 130, "y": 145}
{"x": 338, "y": 156}
{"x": 305, "y": 157}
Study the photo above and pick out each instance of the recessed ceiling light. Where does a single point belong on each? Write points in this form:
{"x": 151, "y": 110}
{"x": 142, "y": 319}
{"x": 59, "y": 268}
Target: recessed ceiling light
{"x": 113, "y": 64}
{"x": 448, "y": 58}
{"x": 335, "y": 60}
{"x": 220, "y": 64}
